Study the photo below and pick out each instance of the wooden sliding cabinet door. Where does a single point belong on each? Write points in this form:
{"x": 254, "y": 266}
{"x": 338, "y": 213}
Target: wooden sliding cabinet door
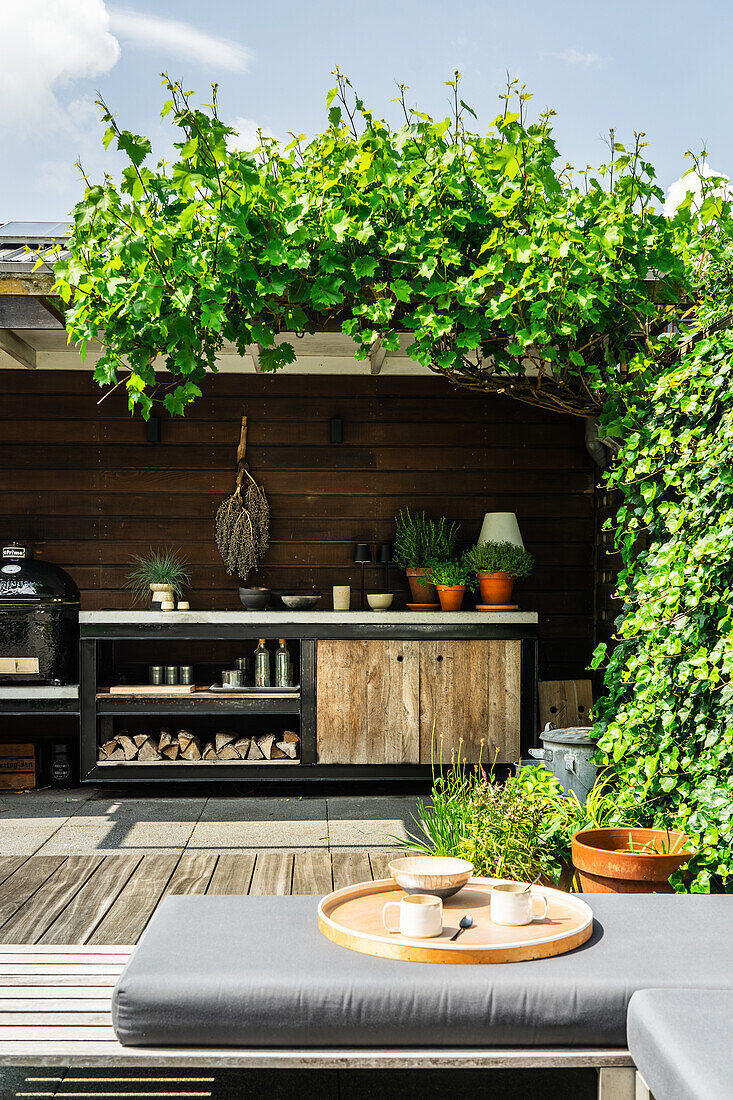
{"x": 367, "y": 702}
{"x": 470, "y": 690}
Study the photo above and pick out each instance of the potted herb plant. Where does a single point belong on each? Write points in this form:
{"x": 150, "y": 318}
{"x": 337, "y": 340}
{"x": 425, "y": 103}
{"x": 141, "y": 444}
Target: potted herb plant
{"x": 163, "y": 573}
{"x": 628, "y": 860}
{"x": 419, "y": 541}
{"x": 451, "y": 579}
{"x": 497, "y": 565}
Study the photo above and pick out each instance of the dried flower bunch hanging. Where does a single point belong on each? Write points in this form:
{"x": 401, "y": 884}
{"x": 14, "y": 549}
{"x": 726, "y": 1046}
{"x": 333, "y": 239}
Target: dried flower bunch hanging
{"x": 243, "y": 519}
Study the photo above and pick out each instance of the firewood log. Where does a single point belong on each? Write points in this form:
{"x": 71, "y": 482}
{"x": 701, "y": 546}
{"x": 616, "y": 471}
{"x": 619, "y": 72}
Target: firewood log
{"x": 265, "y": 745}
{"x": 254, "y": 752}
{"x": 209, "y": 752}
{"x": 170, "y": 751}
{"x": 149, "y": 750}
{"x": 242, "y": 747}
{"x": 223, "y": 737}
{"x": 165, "y": 739}
{"x": 110, "y": 746}
{"x": 288, "y": 749}
{"x": 276, "y": 753}
{"x": 290, "y": 737}
{"x": 139, "y": 739}
{"x": 189, "y": 744}
{"x": 227, "y": 752}
{"x": 118, "y": 754}
{"x": 127, "y": 745}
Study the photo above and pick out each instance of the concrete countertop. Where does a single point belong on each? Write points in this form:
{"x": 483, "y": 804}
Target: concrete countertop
{"x": 39, "y": 691}
{"x": 326, "y": 618}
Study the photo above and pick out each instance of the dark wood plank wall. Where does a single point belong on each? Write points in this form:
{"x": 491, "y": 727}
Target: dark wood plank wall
{"x": 79, "y": 481}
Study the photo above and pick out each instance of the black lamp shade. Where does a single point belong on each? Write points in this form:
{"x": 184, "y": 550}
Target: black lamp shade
{"x": 384, "y": 552}
{"x": 362, "y": 552}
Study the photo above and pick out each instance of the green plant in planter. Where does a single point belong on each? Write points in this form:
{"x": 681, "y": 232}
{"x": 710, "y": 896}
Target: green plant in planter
{"x": 499, "y": 557}
{"x": 452, "y": 572}
{"x": 420, "y": 540}
{"x": 158, "y": 567}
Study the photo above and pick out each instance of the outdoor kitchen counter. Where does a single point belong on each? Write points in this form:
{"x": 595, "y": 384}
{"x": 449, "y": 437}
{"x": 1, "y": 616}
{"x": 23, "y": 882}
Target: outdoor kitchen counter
{"x": 300, "y": 618}
{"x": 376, "y": 690}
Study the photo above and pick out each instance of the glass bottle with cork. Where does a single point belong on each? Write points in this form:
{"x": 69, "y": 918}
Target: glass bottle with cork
{"x": 283, "y": 677}
{"x": 262, "y": 665}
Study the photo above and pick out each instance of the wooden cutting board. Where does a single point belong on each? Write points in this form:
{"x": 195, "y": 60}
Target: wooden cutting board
{"x": 152, "y": 689}
{"x": 352, "y": 917}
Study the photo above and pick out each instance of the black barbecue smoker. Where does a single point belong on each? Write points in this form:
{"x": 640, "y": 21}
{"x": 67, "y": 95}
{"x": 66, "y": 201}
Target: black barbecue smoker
{"x": 39, "y": 620}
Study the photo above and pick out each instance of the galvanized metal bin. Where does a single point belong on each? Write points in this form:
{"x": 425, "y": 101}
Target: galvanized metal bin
{"x": 568, "y": 754}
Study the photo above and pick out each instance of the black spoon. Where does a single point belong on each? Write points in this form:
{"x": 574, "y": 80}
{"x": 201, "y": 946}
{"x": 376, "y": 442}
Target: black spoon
{"x": 466, "y": 922}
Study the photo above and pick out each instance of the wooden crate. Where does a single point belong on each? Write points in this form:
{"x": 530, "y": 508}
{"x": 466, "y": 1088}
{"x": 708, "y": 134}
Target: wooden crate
{"x": 17, "y": 767}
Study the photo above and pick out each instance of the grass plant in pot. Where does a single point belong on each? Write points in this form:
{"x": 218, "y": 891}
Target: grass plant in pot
{"x": 628, "y": 860}
{"x": 161, "y": 575}
{"x": 418, "y": 542}
{"x": 497, "y": 565}
{"x": 451, "y": 579}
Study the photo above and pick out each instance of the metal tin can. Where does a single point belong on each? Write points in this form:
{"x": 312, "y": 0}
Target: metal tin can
{"x": 244, "y": 664}
{"x": 155, "y": 674}
{"x": 171, "y": 674}
{"x": 185, "y": 674}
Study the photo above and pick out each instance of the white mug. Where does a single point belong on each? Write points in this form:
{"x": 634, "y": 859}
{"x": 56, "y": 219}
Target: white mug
{"x": 341, "y": 597}
{"x": 420, "y": 916}
{"x": 511, "y": 903}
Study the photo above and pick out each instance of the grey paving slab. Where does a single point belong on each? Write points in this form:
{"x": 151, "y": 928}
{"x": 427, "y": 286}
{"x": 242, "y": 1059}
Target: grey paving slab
{"x": 369, "y": 821}
{"x": 258, "y": 824}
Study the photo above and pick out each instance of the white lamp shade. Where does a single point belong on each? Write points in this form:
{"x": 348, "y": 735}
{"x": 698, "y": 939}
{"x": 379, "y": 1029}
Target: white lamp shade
{"x": 501, "y": 527}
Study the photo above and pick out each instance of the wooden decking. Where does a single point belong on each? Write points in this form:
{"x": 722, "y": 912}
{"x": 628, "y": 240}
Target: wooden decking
{"x": 109, "y": 899}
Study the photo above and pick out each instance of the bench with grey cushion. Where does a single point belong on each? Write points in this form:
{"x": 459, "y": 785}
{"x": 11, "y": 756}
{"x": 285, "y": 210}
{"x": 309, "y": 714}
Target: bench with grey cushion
{"x": 681, "y": 1041}
{"x": 263, "y": 976}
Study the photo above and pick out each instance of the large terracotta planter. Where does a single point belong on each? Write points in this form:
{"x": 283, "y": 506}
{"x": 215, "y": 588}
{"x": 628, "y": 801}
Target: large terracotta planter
{"x": 496, "y": 587}
{"x": 606, "y": 866}
{"x": 422, "y": 590}
{"x": 451, "y": 596}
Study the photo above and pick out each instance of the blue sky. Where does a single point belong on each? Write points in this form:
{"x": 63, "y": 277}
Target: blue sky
{"x": 661, "y": 67}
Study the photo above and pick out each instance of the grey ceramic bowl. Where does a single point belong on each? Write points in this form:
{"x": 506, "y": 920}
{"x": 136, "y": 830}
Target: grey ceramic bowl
{"x": 254, "y": 599}
{"x": 300, "y": 603}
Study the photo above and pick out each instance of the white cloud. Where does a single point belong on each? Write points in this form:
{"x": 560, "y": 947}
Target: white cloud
{"x": 247, "y": 137}
{"x": 178, "y": 39}
{"x": 47, "y": 44}
{"x": 677, "y": 191}
{"x": 584, "y": 59}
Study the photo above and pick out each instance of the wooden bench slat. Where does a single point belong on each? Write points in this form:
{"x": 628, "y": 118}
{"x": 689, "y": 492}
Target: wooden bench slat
{"x": 32, "y": 1020}
{"x": 30, "y": 981}
{"x": 54, "y": 1003}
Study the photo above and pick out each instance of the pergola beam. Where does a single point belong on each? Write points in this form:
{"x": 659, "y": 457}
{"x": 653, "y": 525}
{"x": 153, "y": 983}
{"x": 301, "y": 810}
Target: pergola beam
{"x": 17, "y": 349}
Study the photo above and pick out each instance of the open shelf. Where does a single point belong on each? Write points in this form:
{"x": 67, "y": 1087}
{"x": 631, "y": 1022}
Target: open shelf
{"x": 205, "y": 702}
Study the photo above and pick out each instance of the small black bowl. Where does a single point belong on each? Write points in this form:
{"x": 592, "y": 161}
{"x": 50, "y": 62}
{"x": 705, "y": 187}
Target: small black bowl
{"x": 255, "y": 599}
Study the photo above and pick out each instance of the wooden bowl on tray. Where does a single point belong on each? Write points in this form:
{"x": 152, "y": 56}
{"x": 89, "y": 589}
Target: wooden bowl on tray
{"x": 443, "y": 876}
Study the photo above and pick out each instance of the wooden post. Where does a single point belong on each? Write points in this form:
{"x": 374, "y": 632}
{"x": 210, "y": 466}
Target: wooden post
{"x": 616, "y": 1083}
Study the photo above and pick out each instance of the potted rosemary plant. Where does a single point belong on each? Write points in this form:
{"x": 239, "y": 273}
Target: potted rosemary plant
{"x": 497, "y": 565}
{"x": 163, "y": 573}
{"x": 451, "y": 578}
{"x": 418, "y": 542}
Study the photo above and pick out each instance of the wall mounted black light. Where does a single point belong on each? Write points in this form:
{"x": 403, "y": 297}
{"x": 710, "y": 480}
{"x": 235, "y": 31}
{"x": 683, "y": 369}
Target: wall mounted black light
{"x": 362, "y": 555}
{"x": 153, "y": 430}
{"x": 385, "y": 550}
{"x": 337, "y": 429}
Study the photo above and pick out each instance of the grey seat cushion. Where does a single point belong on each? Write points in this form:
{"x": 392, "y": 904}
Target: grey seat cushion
{"x": 682, "y": 1042}
{"x": 256, "y": 971}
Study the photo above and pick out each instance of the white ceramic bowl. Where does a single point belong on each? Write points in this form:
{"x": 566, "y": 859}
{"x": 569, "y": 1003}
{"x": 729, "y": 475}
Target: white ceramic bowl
{"x": 443, "y": 876}
{"x": 380, "y": 601}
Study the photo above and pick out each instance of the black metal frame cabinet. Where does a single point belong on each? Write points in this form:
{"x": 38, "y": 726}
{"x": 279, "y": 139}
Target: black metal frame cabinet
{"x": 105, "y": 629}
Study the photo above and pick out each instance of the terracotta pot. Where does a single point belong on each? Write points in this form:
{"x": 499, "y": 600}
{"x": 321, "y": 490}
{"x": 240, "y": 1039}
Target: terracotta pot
{"x": 422, "y": 590}
{"x": 606, "y": 866}
{"x": 451, "y": 596}
{"x": 496, "y": 587}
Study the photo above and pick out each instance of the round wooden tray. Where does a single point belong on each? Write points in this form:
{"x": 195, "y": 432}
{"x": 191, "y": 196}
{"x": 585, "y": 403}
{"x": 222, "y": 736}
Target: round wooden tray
{"x": 352, "y": 917}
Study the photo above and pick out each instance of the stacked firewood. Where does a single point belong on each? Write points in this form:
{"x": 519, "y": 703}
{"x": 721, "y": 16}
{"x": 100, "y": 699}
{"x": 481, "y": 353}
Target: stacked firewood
{"x": 184, "y": 745}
